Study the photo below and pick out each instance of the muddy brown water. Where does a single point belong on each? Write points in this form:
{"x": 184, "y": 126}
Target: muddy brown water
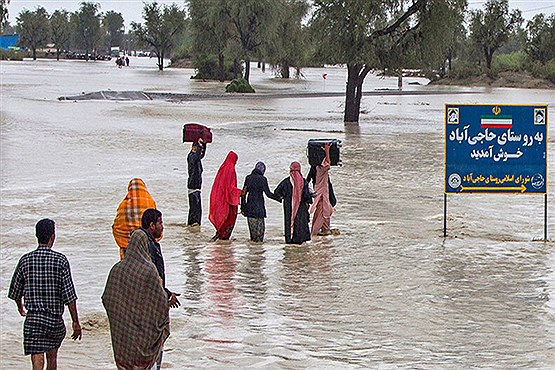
{"x": 388, "y": 292}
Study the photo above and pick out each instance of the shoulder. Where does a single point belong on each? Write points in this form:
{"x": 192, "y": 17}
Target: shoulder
{"x": 59, "y": 256}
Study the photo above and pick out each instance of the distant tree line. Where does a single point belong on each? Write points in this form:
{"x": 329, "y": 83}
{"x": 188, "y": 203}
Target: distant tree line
{"x": 221, "y": 37}
{"x": 87, "y": 30}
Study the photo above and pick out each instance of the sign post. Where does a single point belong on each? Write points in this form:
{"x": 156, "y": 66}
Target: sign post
{"x": 496, "y": 149}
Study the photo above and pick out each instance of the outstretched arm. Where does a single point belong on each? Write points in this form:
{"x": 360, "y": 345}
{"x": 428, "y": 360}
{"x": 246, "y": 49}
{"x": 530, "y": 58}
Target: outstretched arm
{"x": 203, "y": 147}
{"x": 268, "y": 192}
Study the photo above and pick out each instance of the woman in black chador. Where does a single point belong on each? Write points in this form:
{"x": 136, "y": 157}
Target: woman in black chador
{"x": 296, "y": 197}
{"x": 252, "y": 201}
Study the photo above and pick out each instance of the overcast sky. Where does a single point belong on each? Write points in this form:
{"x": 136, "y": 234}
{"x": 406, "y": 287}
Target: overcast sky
{"x": 131, "y": 10}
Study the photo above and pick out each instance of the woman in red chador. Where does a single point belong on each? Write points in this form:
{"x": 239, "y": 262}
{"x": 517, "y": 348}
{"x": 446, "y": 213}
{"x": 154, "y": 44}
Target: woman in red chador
{"x": 225, "y": 197}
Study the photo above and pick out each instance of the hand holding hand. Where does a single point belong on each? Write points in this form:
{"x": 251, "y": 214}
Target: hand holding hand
{"x": 174, "y": 302}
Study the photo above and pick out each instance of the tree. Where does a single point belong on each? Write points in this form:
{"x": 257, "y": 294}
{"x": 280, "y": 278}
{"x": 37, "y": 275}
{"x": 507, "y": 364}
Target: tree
{"x": 3, "y": 12}
{"x": 211, "y": 31}
{"x": 255, "y": 23}
{"x": 368, "y": 34}
{"x": 59, "y": 30}
{"x": 491, "y": 28}
{"x": 540, "y": 44}
{"x": 161, "y": 29}
{"x": 86, "y": 27}
{"x": 112, "y": 23}
{"x": 33, "y": 28}
{"x": 288, "y": 48}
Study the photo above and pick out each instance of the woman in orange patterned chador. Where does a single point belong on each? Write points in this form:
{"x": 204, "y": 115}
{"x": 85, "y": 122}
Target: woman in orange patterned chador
{"x": 130, "y": 211}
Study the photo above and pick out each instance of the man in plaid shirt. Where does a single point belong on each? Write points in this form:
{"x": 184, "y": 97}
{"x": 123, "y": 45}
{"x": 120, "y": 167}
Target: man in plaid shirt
{"x": 42, "y": 279}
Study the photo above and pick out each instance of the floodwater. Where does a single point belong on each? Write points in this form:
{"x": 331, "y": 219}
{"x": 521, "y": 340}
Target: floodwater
{"x": 388, "y": 292}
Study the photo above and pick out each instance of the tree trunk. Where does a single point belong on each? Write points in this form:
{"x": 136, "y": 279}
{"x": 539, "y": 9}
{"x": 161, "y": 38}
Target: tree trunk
{"x": 87, "y": 55}
{"x": 58, "y": 54}
{"x": 34, "y": 53}
{"x": 222, "y": 66}
{"x": 356, "y": 73}
{"x": 284, "y": 70}
{"x": 489, "y": 57}
{"x": 400, "y": 80}
{"x": 160, "y": 61}
{"x": 247, "y": 69}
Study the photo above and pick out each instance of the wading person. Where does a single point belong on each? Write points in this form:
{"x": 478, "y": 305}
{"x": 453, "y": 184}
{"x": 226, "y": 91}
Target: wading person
{"x": 137, "y": 306}
{"x": 225, "y": 198}
{"x": 42, "y": 279}
{"x": 153, "y": 226}
{"x": 194, "y": 183}
{"x": 252, "y": 201}
{"x": 322, "y": 208}
{"x": 130, "y": 210}
{"x": 296, "y": 196}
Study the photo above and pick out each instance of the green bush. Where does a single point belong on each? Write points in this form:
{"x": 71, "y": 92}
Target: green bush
{"x": 508, "y": 62}
{"x": 546, "y": 70}
{"x": 208, "y": 68}
{"x": 463, "y": 71}
{"x": 13, "y": 54}
{"x": 239, "y": 85}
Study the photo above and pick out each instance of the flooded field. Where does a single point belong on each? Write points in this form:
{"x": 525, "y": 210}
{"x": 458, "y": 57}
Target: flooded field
{"x": 388, "y": 292}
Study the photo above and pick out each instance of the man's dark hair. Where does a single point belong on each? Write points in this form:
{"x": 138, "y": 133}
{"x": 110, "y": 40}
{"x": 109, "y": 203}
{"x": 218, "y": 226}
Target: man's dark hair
{"x": 44, "y": 230}
{"x": 150, "y": 215}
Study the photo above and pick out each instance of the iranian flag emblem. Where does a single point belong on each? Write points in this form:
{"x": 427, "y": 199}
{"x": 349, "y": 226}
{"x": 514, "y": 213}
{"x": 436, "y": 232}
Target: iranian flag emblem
{"x": 497, "y": 121}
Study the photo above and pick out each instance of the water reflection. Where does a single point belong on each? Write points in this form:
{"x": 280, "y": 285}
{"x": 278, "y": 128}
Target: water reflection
{"x": 193, "y": 284}
{"x": 221, "y": 268}
{"x": 251, "y": 280}
{"x": 352, "y": 132}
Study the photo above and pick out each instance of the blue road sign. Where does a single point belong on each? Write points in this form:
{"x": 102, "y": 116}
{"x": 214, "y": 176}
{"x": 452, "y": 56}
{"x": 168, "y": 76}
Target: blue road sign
{"x": 496, "y": 149}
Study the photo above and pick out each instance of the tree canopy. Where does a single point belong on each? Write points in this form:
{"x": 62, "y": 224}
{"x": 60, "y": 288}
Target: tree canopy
{"x": 541, "y": 38}
{"x": 60, "y": 30}
{"x": 3, "y": 12}
{"x": 161, "y": 28}
{"x": 372, "y": 34}
{"x": 112, "y": 24}
{"x": 33, "y": 28}
{"x": 490, "y": 28}
{"x": 211, "y": 31}
{"x": 85, "y": 25}
{"x": 255, "y": 23}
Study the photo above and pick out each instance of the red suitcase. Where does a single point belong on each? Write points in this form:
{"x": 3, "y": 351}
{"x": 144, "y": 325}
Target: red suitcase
{"x": 193, "y": 131}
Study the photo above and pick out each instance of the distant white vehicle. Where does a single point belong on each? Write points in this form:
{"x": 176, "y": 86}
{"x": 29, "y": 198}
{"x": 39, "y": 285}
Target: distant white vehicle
{"x": 114, "y": 51}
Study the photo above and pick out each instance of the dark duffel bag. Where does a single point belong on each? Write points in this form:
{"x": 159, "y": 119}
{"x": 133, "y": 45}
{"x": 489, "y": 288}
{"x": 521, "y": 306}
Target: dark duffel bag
{"x": 316, "y": 154}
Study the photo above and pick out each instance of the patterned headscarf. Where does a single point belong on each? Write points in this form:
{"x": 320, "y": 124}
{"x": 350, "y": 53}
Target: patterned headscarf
{"x": 130, "y": 211}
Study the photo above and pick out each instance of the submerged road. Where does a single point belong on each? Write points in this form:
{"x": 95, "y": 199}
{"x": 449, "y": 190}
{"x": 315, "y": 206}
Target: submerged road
{"x": 178, "y": 97}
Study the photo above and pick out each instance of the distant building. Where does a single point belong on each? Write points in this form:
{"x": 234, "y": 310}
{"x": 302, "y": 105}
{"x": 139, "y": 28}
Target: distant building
{"x": 9, "y": 42}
